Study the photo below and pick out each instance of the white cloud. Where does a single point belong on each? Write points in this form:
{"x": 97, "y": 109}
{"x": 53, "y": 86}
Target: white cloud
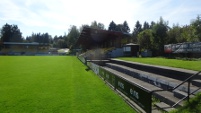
{"x": 55, "y": 16}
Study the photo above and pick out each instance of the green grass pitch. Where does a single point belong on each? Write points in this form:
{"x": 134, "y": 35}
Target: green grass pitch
{"x": 54, "y": 84}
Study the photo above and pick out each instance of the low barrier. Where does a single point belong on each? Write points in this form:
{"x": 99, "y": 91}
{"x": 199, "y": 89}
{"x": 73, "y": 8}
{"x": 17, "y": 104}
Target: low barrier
{"x": 140, "y": 96}
{"x": 82, "y": 59}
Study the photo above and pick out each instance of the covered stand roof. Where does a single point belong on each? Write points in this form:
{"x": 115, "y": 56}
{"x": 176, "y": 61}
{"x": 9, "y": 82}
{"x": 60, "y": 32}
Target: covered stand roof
{"x": 90, "y": 37}
{"x": 27, "y": 44}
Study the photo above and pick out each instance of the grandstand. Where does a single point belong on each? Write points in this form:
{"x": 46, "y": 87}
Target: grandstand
{"x": 16, "y": 48}
{"x": 99, "y": 43}
{"x": 147, "y": 88}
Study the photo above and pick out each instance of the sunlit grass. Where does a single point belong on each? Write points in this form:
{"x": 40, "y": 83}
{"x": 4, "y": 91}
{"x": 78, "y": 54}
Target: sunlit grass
{"x": 54, "y": 84}
{"x": 192, "y": 65}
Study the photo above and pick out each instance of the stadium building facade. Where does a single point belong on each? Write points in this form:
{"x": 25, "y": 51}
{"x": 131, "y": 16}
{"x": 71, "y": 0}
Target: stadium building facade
{"x": 16, "y": 48}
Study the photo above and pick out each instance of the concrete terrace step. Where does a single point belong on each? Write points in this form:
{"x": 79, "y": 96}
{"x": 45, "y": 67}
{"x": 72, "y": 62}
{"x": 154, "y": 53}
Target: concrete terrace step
{"x": 196, "y": 83}
{"x": 163, "y": 106}
{"x": 135, "y": 81}
{"x": 157, "y": 80}
{"x": 154, "y": 79}
{"x": 181, "y": 74}
{"x": 168, "y": 98}
{"x": 181, "y": 94}
{"x": 164, "y": 96}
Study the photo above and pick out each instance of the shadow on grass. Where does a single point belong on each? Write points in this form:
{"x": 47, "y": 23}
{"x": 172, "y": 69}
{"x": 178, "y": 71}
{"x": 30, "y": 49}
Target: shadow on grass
{"x": 87, "y": 69}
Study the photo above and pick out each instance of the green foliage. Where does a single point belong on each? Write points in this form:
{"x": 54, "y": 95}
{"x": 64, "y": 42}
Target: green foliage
{"x": 136, "y": 31}
{"x": 38, "y": 37}
{"x": 96, "y": 25}
{"x": 160, "y": 33}
{"x": 152, "y": 24}
{"x": 179, "y": 34}
{"x": 146, "y": 25}
{"x": 120, "y": 27}
{"x": 185, "y": 64}
{"x": 11, "y": 33}
{"x": 151, "y": 37}
{"x": 197, "y": 27}
{"x": 188, "y": 34}
{"x": 126, "y": 27}
{"x": 145, "y": 39}
{"x": 72, "y": 36}
{"x": 193, "y": 106}
{"x": 54, "y": 84}
{"x": 174, "y": 35}
{"x": 112, "y": 26}
{"x": 60, "y": 42}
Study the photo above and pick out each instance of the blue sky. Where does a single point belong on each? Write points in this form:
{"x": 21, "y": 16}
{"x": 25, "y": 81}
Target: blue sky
{"x": 56, "y": 16}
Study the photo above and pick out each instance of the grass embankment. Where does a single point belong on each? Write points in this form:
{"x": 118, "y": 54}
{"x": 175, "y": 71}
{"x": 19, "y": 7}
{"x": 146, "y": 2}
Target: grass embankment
{"x": 54, "y": 84}
{"x": 185, "y": 64}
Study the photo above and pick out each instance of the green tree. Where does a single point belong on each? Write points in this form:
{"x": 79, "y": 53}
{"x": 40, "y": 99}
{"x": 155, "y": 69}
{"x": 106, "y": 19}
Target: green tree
{"x": 101, "y": 26}
{"x": 174, "y": 35}
{"x": 62, "y": 43}
{"x": 152, "y": 24}
{"x": 11, "y": 33}
{"x": 145, "y": 39}
{"x": 160, "y": 34}
{"x": 112, "y": 26}
{"x": 136, "y": 31}
{"x": 126, "y": 27}
{"x": 187, "y": 34}
{"x": 146, "y": 25}
{"x": 96, "y": 25}
{"x": 197, "y": 26}
{"x": 119, "y": 28}
{"x": 38, "y": 37}
{"x": 72, "y": 36}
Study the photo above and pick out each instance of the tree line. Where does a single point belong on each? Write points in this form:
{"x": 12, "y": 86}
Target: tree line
{"x": 155, "y": 35}
{"x": 150, "y": 36}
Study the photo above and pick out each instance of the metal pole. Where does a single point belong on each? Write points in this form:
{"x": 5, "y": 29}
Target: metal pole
{"x": 188, "y": 90}
{"x": 151, "y": 102}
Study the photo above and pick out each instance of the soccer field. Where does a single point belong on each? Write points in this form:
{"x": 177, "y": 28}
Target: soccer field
{"x": 56, "y": 84}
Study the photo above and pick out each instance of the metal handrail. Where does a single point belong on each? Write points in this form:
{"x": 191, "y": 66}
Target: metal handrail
{"x": 189, "y": 93}
{"x": 185, "y": 81}
{"x": 185, "y": 97}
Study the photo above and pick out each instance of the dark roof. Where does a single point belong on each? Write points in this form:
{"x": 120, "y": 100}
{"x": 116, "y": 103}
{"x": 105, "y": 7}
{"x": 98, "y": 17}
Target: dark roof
{"x": 90, "y": 36}
{"x": 20, "y": 43}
